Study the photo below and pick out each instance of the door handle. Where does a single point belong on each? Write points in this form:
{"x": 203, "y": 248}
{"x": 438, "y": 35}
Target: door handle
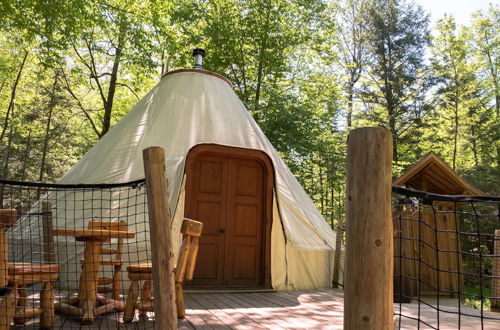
{"x": 222, "y": 230}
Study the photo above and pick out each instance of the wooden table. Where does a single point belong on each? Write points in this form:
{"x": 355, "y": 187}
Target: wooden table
{"x": 84, "y": 305}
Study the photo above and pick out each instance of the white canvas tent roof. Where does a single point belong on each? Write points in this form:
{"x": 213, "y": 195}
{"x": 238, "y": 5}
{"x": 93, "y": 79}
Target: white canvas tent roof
{"x": 192, "y": 107}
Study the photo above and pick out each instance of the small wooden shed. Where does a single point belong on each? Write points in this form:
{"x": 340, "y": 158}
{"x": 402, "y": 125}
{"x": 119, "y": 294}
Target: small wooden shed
{"x": 439, "y": 270}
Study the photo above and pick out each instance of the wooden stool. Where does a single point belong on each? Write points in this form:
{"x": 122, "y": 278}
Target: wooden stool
{"x": 184, "y": 270}
{"x": 19, "y": 275}
{"x": 115, "y": 261}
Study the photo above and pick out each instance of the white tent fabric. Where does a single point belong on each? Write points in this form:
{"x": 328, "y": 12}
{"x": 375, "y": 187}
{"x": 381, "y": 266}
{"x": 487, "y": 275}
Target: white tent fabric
{"x": 192, "y": 107}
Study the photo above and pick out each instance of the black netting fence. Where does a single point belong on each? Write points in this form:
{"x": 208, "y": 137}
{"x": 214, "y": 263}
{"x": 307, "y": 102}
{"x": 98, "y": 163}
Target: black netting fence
{"x": 59, "y": 244}
{"x": 446, "y": 260}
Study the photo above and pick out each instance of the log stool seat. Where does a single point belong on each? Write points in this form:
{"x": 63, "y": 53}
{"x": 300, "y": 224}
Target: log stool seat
{"x": 140, "y": 268}
{"x": 106, "y": 262}
{"x": 16, "y": 276}
{"x": 25, "y": 268}
{"x": 22, "y": 274}
{"x": 184, "y": 270}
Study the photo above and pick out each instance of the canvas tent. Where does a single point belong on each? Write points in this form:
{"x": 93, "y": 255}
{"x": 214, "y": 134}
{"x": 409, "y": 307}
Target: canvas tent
{"x": 196, "y": 117}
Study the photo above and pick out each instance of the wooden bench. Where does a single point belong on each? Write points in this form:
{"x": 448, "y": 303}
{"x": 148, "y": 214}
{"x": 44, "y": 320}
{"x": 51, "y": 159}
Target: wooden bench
{"x": 16, "y": 276}
{"x": 184, "y": 271}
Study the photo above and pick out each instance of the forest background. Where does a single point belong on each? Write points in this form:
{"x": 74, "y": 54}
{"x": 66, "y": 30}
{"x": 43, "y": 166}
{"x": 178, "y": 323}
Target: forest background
{"x": 309, "y": 71}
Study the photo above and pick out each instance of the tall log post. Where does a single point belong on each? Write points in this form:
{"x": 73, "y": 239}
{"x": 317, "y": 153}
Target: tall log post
{"x": 4, "y": 257}
{"x": 369, "y": 248}
{"x": 161, "y": 239}
{"x": 48, "y": 238}
{"x": 8, "y": 218}
{"x": 495, "y": 291}
{"x": 338, "y": 254}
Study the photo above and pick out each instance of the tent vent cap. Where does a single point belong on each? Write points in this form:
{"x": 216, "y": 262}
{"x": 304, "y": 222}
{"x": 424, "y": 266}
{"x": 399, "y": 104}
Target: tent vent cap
{"x": 198, "y": 55}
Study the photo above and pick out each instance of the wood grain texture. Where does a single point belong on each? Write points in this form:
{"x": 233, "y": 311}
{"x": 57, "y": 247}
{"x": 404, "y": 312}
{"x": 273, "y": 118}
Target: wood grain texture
{"x": 4, "y": 255}
{"x": 161, "y": 239}
{"x": 8, "y": 308}
{"x": 8, "y": 217}
{"x": 495, "y": 290}
{"x": 94, "y": 233}
{"x": 48, "y": 235}
{"x": 369, "y": 246}
{"x": 47, "y": 306}
{"x": 208, "y": 200}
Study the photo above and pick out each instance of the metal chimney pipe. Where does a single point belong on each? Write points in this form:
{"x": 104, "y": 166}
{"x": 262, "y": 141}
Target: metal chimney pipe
{"x": 198, "y": 55}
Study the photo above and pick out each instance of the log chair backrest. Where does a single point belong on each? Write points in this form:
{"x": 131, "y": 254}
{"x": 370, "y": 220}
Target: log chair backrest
{"x": 191, "y": 231}
{"x": 8, "y": 218}
{"x": 106, "y": 225}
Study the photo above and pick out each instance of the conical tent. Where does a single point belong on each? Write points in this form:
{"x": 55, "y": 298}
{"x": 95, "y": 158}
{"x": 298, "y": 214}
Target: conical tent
{"x": 193, "y": 107}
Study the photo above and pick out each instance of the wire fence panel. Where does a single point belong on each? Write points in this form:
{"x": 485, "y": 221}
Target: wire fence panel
{"x": 64, "y": 252}
{"x": 445, "y": 252}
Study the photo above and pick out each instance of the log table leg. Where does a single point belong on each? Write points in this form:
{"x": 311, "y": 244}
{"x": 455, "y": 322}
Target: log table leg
{"x": 47, "y": 306}
{"x": 146, "y": 294}
{"x": 133, "y": 294}
{"x": 21, "y": 303}
{"x": 87, "y": 291}
{"x": 8, "y": 308}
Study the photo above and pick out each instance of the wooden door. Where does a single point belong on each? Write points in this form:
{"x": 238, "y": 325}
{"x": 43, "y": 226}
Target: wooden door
{"x": 227, "y": 194}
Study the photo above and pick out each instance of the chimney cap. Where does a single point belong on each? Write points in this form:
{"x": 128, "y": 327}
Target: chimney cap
{"x": 198, "y": 51}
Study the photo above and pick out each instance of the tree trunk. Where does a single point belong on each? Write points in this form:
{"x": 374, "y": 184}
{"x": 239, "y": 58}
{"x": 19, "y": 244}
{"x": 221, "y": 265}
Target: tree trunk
{"x": 392, "y": 128}
{"x": 455, "y": 137}
{"x": 108, "y": 106}
{"x": 5, "y": 167}
{"x": 350, "y": 105}
{"x": 260, "y": 70}
{"x": 45, "y": 146}
{"x": 322, "y": 191}
{"x": 474, "y": 145}
{"x": 26, "y": 157}
{"x": 10, "y": 108}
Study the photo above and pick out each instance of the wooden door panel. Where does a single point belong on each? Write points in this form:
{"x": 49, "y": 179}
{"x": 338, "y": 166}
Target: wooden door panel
{"x": 247, "y": 176}
{"x": 211, "y": 172}
{"x": 227, "y": 194}
{"x": 208, "y": 203}
{"x": 206, "y": 271}
{"x": 245, "y": 219}
{"x": 245, "y": 271}
{"x": 210, "y": 214}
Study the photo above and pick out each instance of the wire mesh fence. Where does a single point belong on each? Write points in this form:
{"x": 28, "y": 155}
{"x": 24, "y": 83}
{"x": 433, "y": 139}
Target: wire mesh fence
{"x": 62, "y": 244}
{"x": 446, "y": 260}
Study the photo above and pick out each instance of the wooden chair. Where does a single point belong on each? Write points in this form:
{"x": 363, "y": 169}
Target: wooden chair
{"x": 16, "y": 277}
{"x": 184, "y": 270}
{"x": 115, "y": 260}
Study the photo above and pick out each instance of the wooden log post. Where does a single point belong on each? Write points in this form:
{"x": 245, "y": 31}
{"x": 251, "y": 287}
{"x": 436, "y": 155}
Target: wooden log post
{"x": 338, "y": 254}
{"x": 369, "y": 239}
{"x": 495, "y": 290}
{"x": 48, "y": 237}
{"x": 161, "y": 239}
{"x": 4, "y": 257}
{"x": 8, "y": 218}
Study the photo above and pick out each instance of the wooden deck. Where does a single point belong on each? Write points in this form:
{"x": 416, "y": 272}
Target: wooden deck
{"x": 314, "y": 309}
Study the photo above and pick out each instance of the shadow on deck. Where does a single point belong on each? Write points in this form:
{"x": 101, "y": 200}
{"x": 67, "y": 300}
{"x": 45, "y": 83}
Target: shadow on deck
{"x": 313, "y": 309}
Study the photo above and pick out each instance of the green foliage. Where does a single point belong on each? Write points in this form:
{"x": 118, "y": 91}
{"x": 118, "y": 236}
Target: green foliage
{"x": 395, "y": 86}
{"x": 307, "y": 70}
{"x": 473, "y": 297}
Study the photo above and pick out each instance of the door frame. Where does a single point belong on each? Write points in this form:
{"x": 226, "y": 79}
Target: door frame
{"x": 238, "y": 152}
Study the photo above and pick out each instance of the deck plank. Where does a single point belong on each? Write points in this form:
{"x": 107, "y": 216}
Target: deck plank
{"x": 312, "y": 309}
{"x": 252, "y": 310}
{"x": 231, "y": 319}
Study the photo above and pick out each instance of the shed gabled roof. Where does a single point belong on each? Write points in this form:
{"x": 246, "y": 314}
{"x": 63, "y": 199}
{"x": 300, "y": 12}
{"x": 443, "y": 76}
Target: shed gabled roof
{"x": 432, "y": 174}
